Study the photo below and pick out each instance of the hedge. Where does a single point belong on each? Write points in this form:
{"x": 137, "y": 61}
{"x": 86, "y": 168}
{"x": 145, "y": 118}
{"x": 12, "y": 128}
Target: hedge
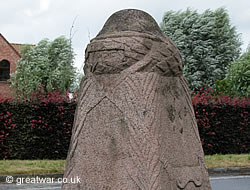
{"x": 223, "y": 122}
{"x": 35, "y": 131}
{"x": 43, "y": 130}
{"x": 224, "y": 129}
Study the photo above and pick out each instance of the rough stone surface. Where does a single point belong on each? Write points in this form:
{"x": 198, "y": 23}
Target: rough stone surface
{"x": 134, "y": 126}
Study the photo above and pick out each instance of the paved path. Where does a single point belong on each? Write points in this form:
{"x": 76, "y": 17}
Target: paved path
{"x": 30, "y": 187}
{"x": 218, "y": 183}
{"x": 230, "y": 183}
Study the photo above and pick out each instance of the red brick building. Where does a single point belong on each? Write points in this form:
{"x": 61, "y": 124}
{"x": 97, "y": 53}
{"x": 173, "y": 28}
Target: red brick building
{"x": 9, "y": 55}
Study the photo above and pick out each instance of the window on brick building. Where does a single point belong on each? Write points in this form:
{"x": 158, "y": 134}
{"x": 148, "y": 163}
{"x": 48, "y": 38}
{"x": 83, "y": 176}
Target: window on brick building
{"x": 4, "y": 70}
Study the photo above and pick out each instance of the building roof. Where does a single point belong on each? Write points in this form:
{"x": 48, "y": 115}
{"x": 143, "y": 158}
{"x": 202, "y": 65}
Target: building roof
{"x": 18, "y": 47}
{"x": 1, "y": 36}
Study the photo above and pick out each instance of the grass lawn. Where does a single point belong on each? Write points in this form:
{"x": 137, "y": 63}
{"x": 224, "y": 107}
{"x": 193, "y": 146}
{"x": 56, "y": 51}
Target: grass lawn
{"x": 57, "y": 166}
{"x": 226, "y": 161}
{"x": 31, "y": 166}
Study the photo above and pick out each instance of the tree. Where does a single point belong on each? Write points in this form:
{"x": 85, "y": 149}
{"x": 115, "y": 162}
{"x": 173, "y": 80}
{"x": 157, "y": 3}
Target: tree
{"x": 207, "y": 41}
{"x": 237, "y": 80}
{"x": 49, "y": 65}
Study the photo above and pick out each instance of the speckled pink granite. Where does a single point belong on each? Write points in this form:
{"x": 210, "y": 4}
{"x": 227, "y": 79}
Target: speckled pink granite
{"x": 134, "y": 126}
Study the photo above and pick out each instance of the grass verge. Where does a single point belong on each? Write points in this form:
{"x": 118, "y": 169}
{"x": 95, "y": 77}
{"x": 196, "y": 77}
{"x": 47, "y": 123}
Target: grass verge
{"x": 57, "y": 166}
{"x": 228, "y": 160}
{"x": 31, "y": 166}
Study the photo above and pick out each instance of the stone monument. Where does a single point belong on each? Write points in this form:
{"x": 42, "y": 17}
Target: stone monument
{"x": 134, "y": 127}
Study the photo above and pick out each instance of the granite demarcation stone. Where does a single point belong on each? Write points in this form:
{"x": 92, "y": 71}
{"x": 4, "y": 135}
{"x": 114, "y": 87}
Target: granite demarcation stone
{"x": 134, "y": 127}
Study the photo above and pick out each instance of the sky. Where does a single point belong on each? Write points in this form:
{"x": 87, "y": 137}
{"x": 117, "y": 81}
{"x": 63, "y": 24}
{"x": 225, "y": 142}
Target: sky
{"x": 29, "y": 21}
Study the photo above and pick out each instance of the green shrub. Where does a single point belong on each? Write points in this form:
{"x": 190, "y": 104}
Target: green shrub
{"x": 237, "y": 80}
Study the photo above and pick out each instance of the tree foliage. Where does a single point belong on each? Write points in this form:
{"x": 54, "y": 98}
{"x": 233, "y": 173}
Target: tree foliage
{"x": 237, "y": 80}
{"x": 49, "y": 65}
{"x": 207, "y": 41}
